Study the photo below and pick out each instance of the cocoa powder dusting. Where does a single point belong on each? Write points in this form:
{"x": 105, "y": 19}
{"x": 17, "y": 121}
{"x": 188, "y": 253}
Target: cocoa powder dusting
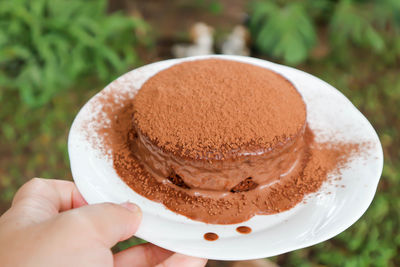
{"x": 115, "y": 131}
{"x": 198, "y": 107}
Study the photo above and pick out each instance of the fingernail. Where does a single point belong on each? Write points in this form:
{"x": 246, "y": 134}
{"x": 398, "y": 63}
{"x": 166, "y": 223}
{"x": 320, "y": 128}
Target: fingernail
{"x": 130, "y": 206}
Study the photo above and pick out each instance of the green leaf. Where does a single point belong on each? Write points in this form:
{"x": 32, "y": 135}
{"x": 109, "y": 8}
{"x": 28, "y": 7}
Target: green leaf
{"x": 375, "y": 40}
{"x": 284, "y": 32}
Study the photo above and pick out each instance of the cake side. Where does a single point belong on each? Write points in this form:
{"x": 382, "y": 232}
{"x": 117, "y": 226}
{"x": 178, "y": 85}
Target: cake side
{"x": 215, "y": 152}
{"x": 239, "y": 174}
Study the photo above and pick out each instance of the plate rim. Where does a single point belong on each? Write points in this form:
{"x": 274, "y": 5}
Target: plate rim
{"x": 316, "y": 240}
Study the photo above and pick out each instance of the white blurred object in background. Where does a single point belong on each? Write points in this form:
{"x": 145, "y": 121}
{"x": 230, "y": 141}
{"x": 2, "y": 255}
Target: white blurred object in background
{"x": 236, "y": 42}
{"x": 202, "y": 37}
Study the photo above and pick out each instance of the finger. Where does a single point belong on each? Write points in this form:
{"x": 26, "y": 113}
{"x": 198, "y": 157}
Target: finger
{"x": 182, "y": 260}
{"x": 141, "y": 255}
{"x": 77, "y": 199}
{"x": 44, "y": 198}
{"x": 107, "y": 223}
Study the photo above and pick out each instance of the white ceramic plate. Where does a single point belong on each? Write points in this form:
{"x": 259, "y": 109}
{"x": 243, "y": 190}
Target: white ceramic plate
{"x": 322, "y": 216}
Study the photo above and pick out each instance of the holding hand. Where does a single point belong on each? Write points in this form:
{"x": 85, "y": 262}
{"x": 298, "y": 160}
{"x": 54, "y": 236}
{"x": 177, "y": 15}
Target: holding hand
{"x": 50, "y": 224}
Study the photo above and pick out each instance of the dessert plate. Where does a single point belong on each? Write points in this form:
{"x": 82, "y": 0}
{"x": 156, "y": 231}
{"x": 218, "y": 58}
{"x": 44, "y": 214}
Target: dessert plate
{"x": 335, "y": 207}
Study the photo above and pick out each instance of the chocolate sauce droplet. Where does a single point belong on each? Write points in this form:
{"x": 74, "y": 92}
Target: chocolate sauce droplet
{"x": 243, "y": 230}
{"x": 244, "y": 186}
{"x": 210, "y": 236}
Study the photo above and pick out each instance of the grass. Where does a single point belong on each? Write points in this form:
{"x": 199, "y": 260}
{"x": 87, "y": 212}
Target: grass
{"x": 34, "y": 141}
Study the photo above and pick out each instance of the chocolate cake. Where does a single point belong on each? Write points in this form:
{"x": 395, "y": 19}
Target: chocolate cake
{"x": 215, "y": 140}
{"x": 215, "y": 127}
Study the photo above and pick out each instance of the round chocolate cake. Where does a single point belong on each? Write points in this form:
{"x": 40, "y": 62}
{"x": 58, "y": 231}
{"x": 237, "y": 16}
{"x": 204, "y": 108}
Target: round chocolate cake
{"x": 217, "y": 126}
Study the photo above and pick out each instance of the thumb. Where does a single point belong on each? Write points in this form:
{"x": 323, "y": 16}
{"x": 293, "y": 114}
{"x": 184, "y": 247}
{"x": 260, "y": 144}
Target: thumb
{"x": 107, "y": 222}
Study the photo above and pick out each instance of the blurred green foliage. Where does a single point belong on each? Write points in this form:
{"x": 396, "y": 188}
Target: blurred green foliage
{"x": 49, "y": 45}
{"x": 284, "y": 32}
{"x": 287, "y": 29}
{"x": 33, "y": 141}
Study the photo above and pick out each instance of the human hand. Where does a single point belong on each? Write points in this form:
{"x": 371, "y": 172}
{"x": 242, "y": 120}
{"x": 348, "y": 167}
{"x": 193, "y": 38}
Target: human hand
{"x": 50, "y": 224}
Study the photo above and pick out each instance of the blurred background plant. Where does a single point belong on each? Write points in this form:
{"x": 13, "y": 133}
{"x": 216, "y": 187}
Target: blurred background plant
{"x": 54, "y": 55}
{"x": 282, "y": 31}
{"x": 47, "y": 45}
{"x": 288, "y": 30}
